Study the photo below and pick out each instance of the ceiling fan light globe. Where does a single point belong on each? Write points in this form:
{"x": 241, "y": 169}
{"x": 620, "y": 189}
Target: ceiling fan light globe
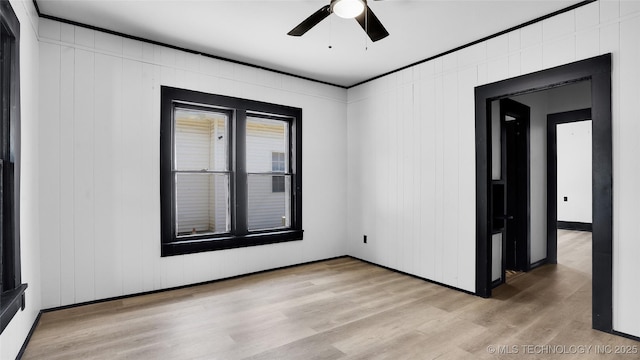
{"x": 347, "y": 9}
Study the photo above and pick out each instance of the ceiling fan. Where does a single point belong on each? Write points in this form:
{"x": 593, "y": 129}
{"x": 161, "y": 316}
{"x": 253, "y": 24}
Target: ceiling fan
{"x": 347, "y": 9}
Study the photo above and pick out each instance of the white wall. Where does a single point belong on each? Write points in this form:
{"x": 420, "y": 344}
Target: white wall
{"x": 411, "y": 146}
{"x": 574, "y": 171}
{"x": 411, "y": 171}
{"x": 99, "y": 150}
{"x": 13, "y": 336}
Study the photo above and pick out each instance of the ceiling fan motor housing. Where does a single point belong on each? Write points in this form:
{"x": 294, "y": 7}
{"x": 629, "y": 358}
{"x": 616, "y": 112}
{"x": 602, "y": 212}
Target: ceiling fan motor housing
{"x": 347, "y": 9}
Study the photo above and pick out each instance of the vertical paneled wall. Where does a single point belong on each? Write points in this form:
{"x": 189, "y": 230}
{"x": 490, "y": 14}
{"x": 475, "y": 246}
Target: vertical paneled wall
{"x": 626, "y": 169}
{"x": 13, "y": 336}
{"x": 412, "y": 174}
{"x": 411, "y": 148}
{"x": 99, "y": 152}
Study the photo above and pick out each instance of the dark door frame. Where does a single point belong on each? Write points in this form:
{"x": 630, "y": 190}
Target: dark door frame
{"x": 552, "y": 175}
{"x": 598, "y": 70}
{"x": 509, "y": 107}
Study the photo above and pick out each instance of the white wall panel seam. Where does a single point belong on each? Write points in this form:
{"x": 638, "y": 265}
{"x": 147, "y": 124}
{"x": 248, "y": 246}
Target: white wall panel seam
{"x": 71, "y": 174}
{"x": 60, "y": 177}
{"x": 93, "y": 169}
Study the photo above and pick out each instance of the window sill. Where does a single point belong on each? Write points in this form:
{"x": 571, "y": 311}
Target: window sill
{"x": 12, "y": 301}
{"x": 182, "y": 247}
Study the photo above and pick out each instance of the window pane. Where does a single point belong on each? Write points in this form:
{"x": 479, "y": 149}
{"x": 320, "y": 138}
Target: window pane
{"x": 202, "y": 204}
{"x": 264, "y": 138}
{"x": 268, "y": 209}
{"x": 201, "y": 140}
{"x": 277, "y": 184}
{"x": 277, "y": 162}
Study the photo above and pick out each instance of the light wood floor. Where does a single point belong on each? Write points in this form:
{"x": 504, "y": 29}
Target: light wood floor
{"x": 339, "y": 309}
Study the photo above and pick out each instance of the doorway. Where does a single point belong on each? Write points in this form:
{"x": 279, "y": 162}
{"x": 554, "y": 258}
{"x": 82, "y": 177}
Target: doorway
{"x": 598, "y": 71}
{"x": 553, "y": 120}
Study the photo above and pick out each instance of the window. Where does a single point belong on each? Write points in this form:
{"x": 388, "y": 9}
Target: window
{"x": 229, "y": 172}
{"x": 277, "y": 166}
{"x": 201, "y": 171}
{"x": 11, "y": 288}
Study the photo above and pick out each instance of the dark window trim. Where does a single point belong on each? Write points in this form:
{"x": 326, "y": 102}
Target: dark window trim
{"x": 12, "y": 290}
{"x": 12, "y": 301}
{"x": 240, "y": 236}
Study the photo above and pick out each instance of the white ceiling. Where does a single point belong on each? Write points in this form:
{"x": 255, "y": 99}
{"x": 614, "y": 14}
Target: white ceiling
{"x": 255, "y": 32}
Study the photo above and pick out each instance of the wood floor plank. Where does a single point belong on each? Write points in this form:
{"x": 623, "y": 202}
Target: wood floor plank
{"x": 339, "y": 309}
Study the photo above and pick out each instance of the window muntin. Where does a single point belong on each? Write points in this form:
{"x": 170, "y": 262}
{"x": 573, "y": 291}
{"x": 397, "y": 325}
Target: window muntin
{"x": 190, "y": 180}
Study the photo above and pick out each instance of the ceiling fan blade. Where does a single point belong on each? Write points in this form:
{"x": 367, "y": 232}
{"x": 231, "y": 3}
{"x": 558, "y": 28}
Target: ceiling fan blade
{"x": 311, "y": 21}
{"x": 371, "y": 25}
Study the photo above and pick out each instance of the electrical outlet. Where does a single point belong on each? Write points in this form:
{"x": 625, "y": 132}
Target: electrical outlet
{"x": 566, "y": 198}
{"x": 365, "y": 239}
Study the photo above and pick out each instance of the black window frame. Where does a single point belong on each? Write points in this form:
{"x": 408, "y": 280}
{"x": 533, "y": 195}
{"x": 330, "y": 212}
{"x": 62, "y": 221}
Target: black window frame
{"x": 12, "y": 290}
{"x": 239, "y": 109}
